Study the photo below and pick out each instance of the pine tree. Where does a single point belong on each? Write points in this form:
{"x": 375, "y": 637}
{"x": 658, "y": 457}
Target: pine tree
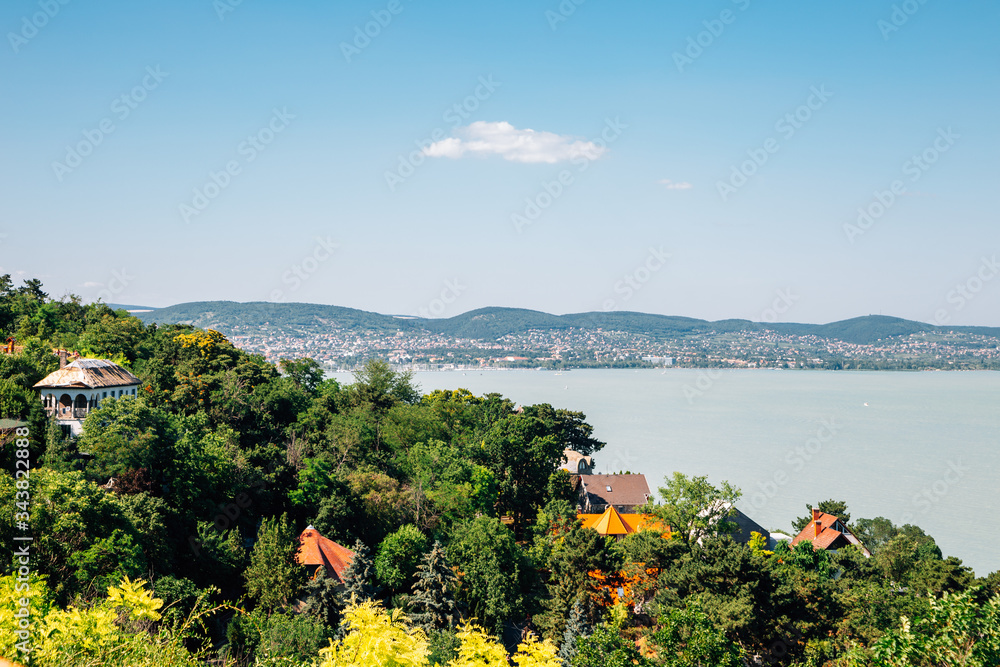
{"x": 359, "y": 576}
{"x": 322, "y": 599}
{"x": 576, "y": 627}
{"x": 433, "y": 605}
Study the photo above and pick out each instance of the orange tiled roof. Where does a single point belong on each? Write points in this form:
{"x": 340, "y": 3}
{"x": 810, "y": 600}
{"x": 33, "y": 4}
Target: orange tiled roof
{"x": 612, "y": 522}
{"x": 314, "y": 550}
{"x": 825, "y": 530}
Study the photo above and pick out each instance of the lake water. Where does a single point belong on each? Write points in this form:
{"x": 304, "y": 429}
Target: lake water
{"x": 919, "y": 448}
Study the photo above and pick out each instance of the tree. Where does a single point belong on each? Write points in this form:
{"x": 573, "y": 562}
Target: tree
{"x": 693, "y": 508}
{"x": 379, "y": 387}
{"x": 359, "y": 576}
{"x": 739, "y": 591}
{"x": 956, "y": 630}
{"x": 478, "y": 649}
{"x": 76, "y": 526}
{"x": 606, "y": 647}
{"x": 570, "y": 428}
{"x": 687, "y": 638}
{"x": 522, "y": 456}
{"x": 374, "y": 636}
{"x": 491, "y": 565}
{"x": 60, "y": 451}
{"x": 576, "y": 628}
{"x": 114, "y": 337}
{"x": 446, "y": 485}
{"x": 305, "y": 372}
{"x": 323, "y": 599}
{"x": 874, "y": 533}
{"x": 15, "y": 401}
{"x": 573, "y": 556}
{"x": 127, "y": 434}
{"x": 837, "y": 508}
{"x": 274, "y": 577}
{"x": 433, "y": 605}
{"x": 398, "y": 556}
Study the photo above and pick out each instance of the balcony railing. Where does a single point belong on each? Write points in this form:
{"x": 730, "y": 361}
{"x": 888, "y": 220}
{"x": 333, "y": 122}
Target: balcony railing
{"x": 62, "y": 412}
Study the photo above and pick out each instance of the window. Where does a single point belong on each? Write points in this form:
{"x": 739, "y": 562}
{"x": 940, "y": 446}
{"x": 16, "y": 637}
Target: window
{"x": 608, "y": 489}
{"x": 104, "y": 394}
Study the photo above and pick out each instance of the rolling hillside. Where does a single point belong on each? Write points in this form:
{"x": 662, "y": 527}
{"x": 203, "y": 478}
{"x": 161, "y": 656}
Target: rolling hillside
{"x": 492, "y": 323}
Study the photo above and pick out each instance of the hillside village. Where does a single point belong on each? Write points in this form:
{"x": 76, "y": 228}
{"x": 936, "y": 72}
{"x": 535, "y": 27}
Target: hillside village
{"x": 584, "y": 348}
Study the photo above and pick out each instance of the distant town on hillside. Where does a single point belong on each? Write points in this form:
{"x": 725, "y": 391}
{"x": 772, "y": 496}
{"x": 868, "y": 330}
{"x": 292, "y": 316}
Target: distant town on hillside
{"x": 344, "y": 338}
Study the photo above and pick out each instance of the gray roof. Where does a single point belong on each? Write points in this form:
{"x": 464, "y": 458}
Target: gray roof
{"x": 89, "y": 374}
{"x": 630, "y": 490}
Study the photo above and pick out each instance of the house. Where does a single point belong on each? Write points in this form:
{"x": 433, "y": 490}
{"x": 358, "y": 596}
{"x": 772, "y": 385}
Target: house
{"x": 8, "y": 431}
{"x": 576, "y": 463}
{"x": 744, "y": 526}
{"x": 595, "y": 493}
{"x": 615, "y": 524}
{"x": 316, "y": 551}
{"x": 826, "y": 531}
{"x": 71, "y": 392}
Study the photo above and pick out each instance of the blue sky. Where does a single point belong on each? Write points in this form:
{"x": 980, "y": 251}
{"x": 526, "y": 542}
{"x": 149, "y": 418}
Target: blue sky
{"x": 737, "y": 140}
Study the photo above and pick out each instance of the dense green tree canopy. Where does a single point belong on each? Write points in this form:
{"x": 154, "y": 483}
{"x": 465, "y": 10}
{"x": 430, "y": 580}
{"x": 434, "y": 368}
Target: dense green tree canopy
{"x": 202, "y": 483}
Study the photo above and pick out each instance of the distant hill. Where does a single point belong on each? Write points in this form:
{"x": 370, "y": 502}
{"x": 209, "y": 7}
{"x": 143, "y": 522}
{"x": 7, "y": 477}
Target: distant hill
{"x": 227, "y": 316}
{"x": 130, "y": 308}
{"x": 492, "y": 323}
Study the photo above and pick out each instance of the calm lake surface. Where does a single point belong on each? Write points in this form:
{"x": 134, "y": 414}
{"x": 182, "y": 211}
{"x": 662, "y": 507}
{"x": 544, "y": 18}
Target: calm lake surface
{"x": 919, "y": 448}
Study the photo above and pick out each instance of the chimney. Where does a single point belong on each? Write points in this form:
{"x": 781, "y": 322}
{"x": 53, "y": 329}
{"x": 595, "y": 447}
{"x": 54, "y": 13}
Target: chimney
{"x": 62, "y": 358}
{"x": 816, "y": 527}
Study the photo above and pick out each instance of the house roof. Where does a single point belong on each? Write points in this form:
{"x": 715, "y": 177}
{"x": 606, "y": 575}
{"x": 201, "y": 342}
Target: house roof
{"x": 571, "y": 461}
{"x": 315, "y": 550}
{"x": 630, "y": 490}
{"x": 826, "y": 531}
{"x": 612, "y": 522}
{"x": 744, "y": 526}
{"x": 88, "y": 374}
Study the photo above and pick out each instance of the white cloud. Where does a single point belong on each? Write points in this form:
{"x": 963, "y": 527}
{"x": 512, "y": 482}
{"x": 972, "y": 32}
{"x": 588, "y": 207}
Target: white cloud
{"x": 91, "y": 283}
{"x": 683, "y": 185}
{"x": 483, "y": 138}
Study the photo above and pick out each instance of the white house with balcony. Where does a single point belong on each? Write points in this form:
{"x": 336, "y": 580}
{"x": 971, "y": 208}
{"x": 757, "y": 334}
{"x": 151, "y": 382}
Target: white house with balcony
{"x": 74, "y": 390}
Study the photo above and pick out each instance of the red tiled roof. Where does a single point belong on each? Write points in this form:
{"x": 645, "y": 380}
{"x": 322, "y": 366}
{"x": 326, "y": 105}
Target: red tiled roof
{"x": 825, "y": 531}
{"x": 315, "y": 550}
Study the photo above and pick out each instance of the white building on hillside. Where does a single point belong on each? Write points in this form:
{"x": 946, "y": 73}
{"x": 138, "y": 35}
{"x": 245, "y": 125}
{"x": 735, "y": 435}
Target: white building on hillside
{"x": 74, "y": 390}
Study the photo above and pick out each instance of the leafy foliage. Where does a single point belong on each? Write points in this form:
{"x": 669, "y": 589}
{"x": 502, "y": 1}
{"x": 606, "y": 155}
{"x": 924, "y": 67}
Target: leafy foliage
{"x": 693, "y": 508}
{"x": 274, "y": 577}
{"x": 490, "y": 566}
